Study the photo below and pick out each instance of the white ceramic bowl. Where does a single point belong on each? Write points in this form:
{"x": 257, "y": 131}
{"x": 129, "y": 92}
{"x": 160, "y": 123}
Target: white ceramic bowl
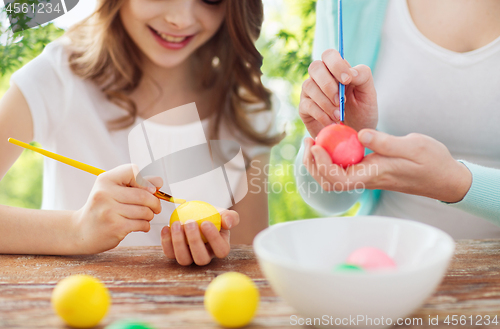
{"x": 298, "y": 260}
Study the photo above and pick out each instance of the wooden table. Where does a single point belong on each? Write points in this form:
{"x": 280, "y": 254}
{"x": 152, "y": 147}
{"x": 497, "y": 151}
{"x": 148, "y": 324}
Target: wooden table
{"x": 147, "y": 286}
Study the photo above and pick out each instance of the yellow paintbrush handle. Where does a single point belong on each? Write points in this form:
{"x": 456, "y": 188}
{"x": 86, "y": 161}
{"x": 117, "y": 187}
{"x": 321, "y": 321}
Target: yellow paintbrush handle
{"x": 63, "y": 159}
{"x": 83, "y": 166}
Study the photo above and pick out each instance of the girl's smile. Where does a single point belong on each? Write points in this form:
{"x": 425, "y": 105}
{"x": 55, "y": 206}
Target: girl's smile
{"x": 170, "y": 41}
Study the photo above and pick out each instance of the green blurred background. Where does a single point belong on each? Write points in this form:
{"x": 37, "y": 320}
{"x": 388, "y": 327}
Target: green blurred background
{"x": 286, "y": 43}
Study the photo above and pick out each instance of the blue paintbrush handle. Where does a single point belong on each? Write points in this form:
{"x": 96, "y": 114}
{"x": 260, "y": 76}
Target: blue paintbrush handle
{"x": 341, "y": 51}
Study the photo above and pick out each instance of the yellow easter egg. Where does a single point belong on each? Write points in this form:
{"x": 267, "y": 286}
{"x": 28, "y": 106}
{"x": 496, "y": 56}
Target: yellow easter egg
{"x": 232, "y": 299}
{"x": 81, "y": 300}
{"x": 198, "y": 211}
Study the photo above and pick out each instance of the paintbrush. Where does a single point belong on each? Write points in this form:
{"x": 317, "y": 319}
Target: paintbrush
{"x": 341, "y": 51}
{"x": 85, "y": 167}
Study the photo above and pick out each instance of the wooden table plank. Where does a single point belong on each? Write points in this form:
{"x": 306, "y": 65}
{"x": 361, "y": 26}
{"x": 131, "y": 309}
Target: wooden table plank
{"x": 471, "y": 286}
{"x": 145, "y": 285}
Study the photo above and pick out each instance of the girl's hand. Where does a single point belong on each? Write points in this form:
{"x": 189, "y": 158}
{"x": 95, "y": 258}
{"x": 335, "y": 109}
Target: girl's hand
{"x": 117, "y": 205}
{"x": 174, "y": 240}
{"x": 414, "y": 164}
{"x": 319, "y": 100}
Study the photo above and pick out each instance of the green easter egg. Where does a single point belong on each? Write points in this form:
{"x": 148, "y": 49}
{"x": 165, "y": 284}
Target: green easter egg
{"x": 348, "y": 268}
{"x": 129, "y": 324}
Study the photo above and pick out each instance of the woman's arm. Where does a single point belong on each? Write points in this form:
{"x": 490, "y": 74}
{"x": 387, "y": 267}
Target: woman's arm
{"x": 253, "y": 208}
{"x": 483, "y": 197}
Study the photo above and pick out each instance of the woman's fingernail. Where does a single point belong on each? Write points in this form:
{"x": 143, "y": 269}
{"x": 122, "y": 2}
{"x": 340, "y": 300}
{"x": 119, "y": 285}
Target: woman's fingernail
{"x": 190, "y": 225}
{"x": 176, "y": 226}
{"x": 354, "y": 72}
{"x": 337, "y": 100}
{"x": 336, "y": 114}
{"x": 164, "y": 231}
{"x": 366, "y": 137}
{"x": 344, "y": 77}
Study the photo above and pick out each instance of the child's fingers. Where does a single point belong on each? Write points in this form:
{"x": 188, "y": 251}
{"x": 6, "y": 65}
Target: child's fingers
{"x": 199, "y": 252}
{"x": 230, "y": 219}
{"x": 225, "y": 235}
{"x": 338, "y": 67}
{"x": 135, "y": 212}
{"x": 166, "y": 243}
{"x": 324, "y": 80}
{"x": 219, "y": 241}
{"x": 136, "y": 196}
{"x": 148, "y": 183}
{"x": 155, "y": 180}
{"x": 137, "y": 225}
{"x": 210, "y": 251}
{"x": 125, "y": 175}
{"x": 181, "y": 250}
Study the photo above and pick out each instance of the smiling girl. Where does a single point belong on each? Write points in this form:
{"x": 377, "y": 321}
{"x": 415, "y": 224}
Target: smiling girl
{"x": 131, "y": 60}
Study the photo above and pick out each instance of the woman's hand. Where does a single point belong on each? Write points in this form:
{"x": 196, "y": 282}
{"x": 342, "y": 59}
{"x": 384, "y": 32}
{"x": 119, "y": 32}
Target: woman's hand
{"x": 414, "y": 164}
{"x": 117, "y": 205}
{"x": 319, "y": 100}
{"x": 175, "y": 246}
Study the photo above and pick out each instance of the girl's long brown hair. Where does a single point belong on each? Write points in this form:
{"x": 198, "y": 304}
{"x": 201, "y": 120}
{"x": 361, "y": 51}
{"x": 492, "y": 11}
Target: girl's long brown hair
{"x": 103, "y": 52}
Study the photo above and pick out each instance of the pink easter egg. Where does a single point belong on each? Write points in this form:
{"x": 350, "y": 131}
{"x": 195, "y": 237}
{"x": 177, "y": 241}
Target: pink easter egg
{"x": 370, "y": 258}
{"x": 342, "y": 144}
